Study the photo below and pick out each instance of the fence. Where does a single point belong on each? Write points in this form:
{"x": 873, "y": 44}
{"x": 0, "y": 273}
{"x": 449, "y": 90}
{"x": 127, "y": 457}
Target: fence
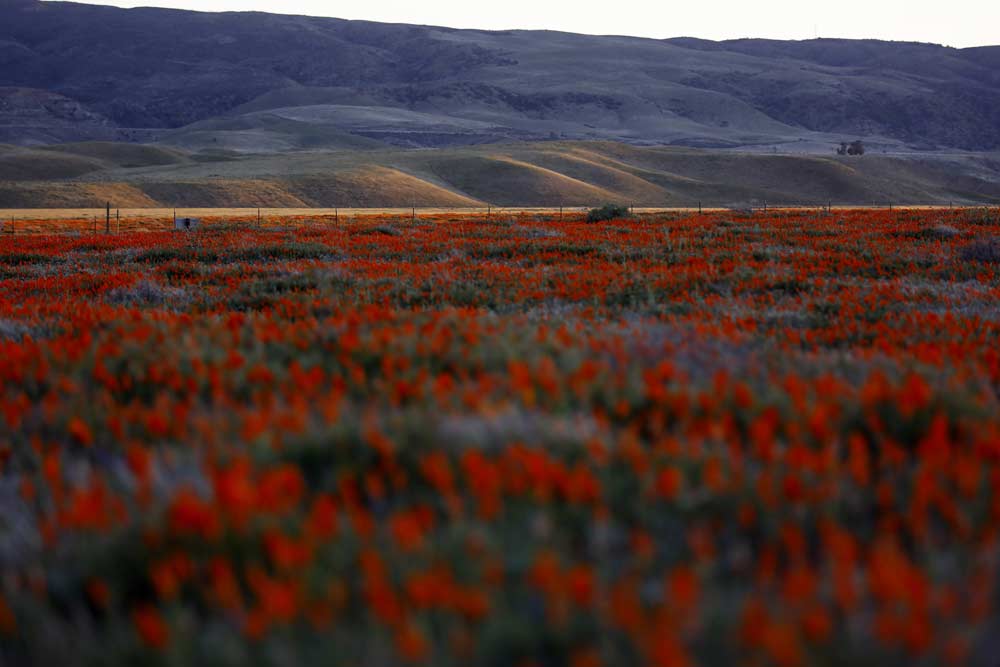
{"x": 86, "y": 221}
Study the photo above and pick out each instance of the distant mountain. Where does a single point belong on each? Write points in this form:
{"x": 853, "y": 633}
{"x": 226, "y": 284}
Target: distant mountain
{"x": 249, "y": 80}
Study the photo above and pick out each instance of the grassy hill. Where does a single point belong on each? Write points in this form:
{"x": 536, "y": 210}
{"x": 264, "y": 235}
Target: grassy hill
{"x": 122, "y": 154}
{"x": 518, "y": 174}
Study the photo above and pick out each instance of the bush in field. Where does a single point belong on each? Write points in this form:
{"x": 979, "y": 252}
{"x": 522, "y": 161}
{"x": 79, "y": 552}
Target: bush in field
{"x": 13, "y": 330}
{"x": 148, "y": 293}
{"x": 938, "y": 233}
{"x": 380, "y": 230}
{"x": 986, "y": 251}
{"x": 608, "y": 212}
{"x": 982, "y": 216}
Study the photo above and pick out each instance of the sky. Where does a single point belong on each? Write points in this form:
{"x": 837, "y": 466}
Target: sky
{"x": 957, "y": 23}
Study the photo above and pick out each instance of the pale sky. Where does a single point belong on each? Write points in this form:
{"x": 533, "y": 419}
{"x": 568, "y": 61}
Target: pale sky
{"x": 953, "y": 22}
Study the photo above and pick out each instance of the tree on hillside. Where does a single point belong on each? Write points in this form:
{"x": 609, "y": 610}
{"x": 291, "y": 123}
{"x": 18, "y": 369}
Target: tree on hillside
{"x": 853, "y": 148}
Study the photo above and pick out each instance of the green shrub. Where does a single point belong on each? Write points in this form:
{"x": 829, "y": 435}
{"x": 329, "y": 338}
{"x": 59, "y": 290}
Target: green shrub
{"x": 608, "y": 212}
{"x": 25, "y": 258}
{"x": 163, "y": 255}
{"x": 287, "y": 251}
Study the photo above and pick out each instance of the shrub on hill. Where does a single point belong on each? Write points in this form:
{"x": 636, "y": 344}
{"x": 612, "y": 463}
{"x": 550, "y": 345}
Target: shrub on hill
{"x": 853, "y": 148}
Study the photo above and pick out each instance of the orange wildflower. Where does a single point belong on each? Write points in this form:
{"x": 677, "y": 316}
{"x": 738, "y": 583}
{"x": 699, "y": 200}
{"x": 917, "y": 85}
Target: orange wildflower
{"x": 669, "y": 483}
{"x": 80, "y": 432}
{"x": 150, "y": 626}
{"x": 190, "y": 515}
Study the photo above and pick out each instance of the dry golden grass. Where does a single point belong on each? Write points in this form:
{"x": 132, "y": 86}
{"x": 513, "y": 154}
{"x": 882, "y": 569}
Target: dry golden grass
{"x": 93, "y": 220}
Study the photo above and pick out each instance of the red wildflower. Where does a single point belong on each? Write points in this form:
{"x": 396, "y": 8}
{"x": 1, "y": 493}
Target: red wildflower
{"x": 150, "y": 626}
{"x": 190, "y": 515}
{"x": 80, "y": 432}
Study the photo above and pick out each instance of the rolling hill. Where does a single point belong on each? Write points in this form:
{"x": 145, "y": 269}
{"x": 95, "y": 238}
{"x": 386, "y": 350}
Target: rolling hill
{"x": 253, "y": 82}
{"x": 517, "y": 174}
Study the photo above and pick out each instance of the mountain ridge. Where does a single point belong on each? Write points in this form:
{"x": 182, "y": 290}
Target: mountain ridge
{"x": 152, "y": 71}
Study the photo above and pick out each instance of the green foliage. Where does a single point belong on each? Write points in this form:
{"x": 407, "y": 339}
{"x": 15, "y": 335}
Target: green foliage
{"x": 608, "y": 212}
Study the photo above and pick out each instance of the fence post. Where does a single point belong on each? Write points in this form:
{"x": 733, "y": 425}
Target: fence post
{"x": 699, "y": 208}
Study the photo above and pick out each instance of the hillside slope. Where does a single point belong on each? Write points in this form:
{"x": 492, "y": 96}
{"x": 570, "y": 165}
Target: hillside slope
{"x": 279, "y": 78}
{"x": 522, "y": 174}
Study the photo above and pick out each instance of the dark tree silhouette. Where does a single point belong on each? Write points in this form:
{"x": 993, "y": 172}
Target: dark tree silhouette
{"x": 853, "y": 148}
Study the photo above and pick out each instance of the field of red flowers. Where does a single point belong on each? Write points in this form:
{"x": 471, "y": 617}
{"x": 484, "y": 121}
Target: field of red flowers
{"x": 686, "y": 440}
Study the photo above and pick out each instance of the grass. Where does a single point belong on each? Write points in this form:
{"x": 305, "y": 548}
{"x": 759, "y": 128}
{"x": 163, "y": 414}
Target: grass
{"x": 580, "y": 174}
